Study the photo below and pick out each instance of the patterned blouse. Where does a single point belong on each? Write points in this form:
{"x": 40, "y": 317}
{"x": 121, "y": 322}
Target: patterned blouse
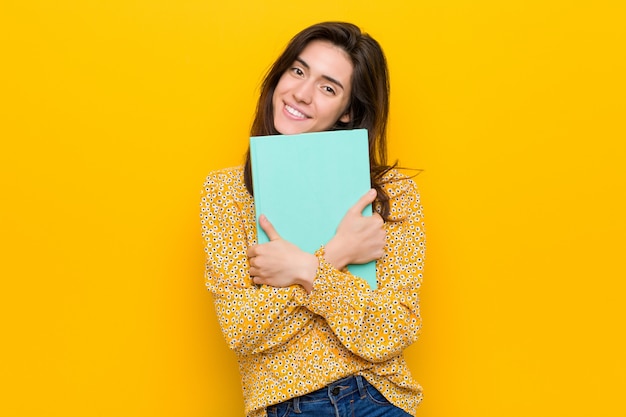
{"x": 289, "y": 343}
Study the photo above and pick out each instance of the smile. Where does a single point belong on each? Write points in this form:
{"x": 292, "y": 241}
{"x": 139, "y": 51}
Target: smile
{"x": 295, "y": 112}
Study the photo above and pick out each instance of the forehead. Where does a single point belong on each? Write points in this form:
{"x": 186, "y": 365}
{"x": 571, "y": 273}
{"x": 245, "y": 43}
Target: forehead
{"x": 327, "y": 59}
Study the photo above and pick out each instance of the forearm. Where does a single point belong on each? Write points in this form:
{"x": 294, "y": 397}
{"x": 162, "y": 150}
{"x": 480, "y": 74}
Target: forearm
{"x": 374, "y": 324}
{"x": 378, "y": 324}
{"x": 254, "y": 319}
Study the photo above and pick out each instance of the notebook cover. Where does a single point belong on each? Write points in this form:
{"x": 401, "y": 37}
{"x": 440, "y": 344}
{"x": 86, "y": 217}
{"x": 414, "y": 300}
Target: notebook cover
{"x": 306, "y": 183}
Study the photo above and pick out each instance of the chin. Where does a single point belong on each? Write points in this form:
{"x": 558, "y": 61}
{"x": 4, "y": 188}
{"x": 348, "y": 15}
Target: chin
{"x": 288, "y": 129}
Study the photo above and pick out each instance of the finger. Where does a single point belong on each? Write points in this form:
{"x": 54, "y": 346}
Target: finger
{"x": 256, "y": 280}
{"x": 268, "y": 228}
{"x": 255, "y": 266}
{"x": 367, "y": 198}
{"x": 377, "y": 218}
{"x": 252, "y": 251}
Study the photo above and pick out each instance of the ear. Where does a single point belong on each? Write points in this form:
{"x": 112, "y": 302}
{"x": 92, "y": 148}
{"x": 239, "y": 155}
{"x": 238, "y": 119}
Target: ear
{"x": 345, "y": 118}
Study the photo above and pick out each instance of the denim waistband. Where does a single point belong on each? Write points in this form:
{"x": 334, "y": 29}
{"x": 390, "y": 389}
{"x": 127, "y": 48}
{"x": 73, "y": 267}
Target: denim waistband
{"x": 333, "y": 391}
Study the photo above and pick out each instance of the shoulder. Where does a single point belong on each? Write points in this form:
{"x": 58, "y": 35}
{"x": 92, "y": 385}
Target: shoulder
{"x": 397, "y": 183}
{"x": 225, "y": 184}
{"x": 225, "y": 176}
{"x": 403, "y": 194}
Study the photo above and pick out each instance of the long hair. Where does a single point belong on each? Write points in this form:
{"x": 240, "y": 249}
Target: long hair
{"x": 368, "y": 105}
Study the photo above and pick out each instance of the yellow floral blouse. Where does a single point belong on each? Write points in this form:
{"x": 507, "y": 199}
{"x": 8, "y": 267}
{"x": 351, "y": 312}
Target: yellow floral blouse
{"x": 289, "y": 343}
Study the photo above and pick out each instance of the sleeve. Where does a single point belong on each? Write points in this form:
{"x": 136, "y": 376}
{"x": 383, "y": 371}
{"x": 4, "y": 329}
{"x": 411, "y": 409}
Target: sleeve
{"x": 253, "y": 318}
{"x": 378, "y": 324}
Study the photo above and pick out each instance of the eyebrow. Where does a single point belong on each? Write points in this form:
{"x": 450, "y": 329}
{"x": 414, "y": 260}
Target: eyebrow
{"x": 331, "y": 79}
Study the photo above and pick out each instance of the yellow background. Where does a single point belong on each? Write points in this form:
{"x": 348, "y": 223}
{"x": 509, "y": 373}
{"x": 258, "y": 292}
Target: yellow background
{"x": 114, "y": 111}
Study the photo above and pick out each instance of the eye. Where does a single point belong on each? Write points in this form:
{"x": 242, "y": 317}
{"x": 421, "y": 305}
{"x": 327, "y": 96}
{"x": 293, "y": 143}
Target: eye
{"x": 329, "y": 90}
{"x": 297, "y": 71}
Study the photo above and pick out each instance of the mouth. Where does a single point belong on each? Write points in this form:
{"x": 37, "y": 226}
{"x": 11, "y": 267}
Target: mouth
{"x": 295, "y": 112}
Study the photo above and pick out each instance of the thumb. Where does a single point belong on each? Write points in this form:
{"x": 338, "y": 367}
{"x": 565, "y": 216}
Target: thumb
{"x": 268, "y": 228}
{"x": 366, "y": 199}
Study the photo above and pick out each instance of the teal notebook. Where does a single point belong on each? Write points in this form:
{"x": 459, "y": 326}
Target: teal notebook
{"x": 306, "y": 183}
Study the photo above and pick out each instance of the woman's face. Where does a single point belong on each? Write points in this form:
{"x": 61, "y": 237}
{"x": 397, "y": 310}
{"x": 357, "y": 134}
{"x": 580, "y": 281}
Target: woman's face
{"x": 313, "y": 94}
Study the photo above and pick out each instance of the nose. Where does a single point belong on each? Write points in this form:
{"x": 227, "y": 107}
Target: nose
{"x": 303, "y": 92}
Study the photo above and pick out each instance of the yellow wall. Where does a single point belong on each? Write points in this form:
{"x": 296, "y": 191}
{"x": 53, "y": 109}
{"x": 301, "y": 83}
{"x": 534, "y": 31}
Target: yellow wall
{"x": 114, "y": 111}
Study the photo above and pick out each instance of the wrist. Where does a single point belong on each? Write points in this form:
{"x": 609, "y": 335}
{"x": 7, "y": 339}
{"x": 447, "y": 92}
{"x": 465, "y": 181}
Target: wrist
{"x": 308, "y": 272}
{"x": 335, "y": 254}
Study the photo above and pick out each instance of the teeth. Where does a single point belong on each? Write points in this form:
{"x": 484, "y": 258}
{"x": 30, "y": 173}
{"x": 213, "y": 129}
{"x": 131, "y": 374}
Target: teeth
{"x": 295, "y": 112}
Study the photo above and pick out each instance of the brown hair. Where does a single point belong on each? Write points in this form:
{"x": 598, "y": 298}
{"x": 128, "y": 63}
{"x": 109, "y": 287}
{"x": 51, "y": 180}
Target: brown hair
{"x": 369, "y": 102}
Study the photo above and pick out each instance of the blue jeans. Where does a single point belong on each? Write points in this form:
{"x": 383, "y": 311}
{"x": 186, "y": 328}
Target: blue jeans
{"x": 348, "y": 397}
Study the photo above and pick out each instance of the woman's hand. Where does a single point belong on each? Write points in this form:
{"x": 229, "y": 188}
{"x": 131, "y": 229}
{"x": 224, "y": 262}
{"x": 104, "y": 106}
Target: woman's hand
{"x": 359, "y": 239}
{"x": 279, "y": 263}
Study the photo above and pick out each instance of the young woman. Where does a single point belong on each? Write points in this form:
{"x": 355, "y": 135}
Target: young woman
{"x": 312, "y": 339}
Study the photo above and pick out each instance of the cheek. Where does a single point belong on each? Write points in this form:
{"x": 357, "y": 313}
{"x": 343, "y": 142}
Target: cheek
{"x": 276, "y": 97}
{"x": 337, "y": 111}
{"x": 283, "y": 84}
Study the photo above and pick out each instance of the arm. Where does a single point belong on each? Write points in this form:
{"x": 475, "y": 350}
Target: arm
{"x": 279, "y": 263}
{"x": 253, "y": 319}
{"x": 378, "y": 324}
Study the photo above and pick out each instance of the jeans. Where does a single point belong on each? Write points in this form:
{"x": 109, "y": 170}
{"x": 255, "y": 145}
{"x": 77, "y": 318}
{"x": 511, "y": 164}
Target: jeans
{"x": 348, "y": 397}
